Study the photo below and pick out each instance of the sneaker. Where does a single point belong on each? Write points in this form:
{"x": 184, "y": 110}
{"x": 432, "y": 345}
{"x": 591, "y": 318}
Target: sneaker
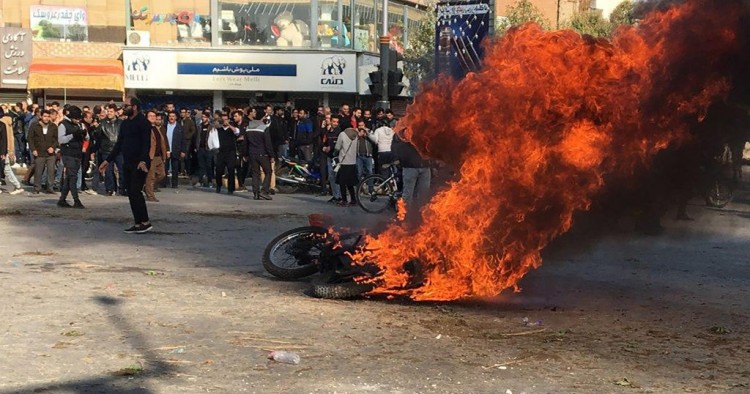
{"x": 17, "y": 191}
{"x": 242, "y": 190}
{"x": 77, "y": 204}
{"x": 143, "y": 228}
{"x": 197, "y": 184}
{"x": 64, "y": 204}
{"x": 334, "y": 200}
{"x": 139, "y": 229}
{"x": 264, "y": 196}
{"x": 90, "y": 192}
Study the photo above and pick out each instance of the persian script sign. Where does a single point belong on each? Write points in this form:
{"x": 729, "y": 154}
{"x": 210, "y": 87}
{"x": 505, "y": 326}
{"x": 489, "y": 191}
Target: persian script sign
{"x": 15, "y": 57}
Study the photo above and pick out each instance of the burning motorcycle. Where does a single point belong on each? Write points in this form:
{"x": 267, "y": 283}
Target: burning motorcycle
{"x": 291, "y": 176}
{"x": 304, "y": 251}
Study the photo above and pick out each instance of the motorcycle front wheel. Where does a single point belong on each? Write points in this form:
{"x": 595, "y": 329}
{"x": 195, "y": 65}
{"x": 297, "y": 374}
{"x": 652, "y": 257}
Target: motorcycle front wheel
{"x": 294, "y": 254}
{"x": 282, "y": 186}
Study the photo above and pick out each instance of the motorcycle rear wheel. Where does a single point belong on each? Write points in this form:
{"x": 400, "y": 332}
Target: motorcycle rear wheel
{"x": 337, "y": 291}
{"x": 278, "y": 257}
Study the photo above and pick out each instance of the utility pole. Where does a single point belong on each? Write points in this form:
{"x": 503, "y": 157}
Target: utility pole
{"x": 384, "y": 61}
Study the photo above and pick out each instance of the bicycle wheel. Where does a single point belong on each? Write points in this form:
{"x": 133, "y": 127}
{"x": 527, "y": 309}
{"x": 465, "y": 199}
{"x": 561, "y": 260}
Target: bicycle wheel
{"x": 719, "y": 194}
{"x": 374, "y": 194}
{"x": 294, "y": 254}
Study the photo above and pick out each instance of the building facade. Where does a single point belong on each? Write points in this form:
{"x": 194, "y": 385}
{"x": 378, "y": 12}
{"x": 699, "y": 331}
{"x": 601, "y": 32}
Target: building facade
{"x": 204, "y": 52}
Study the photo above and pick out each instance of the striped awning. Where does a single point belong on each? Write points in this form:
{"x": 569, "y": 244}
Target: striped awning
{"x": 72, "y": 73}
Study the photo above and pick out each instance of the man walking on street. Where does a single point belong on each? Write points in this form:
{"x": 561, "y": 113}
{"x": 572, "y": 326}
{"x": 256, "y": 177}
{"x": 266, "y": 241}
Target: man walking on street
{"x": 70, "y": 136}
{"x": 175, "y": 147}
{"x": 260, "y": 152}
{"x": 157, "y": 152}
{"x": 106, "y": 135}
{"x": 227, "y": 155}
{"x": 43, "y": 142}
{"x": 134, "y": 142}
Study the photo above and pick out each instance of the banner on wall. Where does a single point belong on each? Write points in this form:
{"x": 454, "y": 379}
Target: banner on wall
{"x": 190, "y": 70}
{"x": 460, "y": 28}
{"x": 15, "y": 57}
{"x": 51, "y": 23}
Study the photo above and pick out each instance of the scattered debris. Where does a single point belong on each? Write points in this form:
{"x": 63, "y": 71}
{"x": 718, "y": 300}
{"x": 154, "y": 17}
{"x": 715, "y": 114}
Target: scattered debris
{"x": 153, "y": 273}
{"x": 285, "y": 357}
{"x": 179, "y": 350}
{"x": 529, "y": 323}
{"x": 132, "y": 370}
{"x": 624, "y": 382}
{"x": 721, "y": 330}
{"x": 439, "y": 336}
{"x": 73, "y": 333}
{"x": 223, "y": 294}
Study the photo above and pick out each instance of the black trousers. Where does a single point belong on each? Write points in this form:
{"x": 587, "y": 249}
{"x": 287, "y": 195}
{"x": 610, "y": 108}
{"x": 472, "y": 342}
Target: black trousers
{"x": 225, "y": 160}
{"x": 174, "y": 163}
{"x": 256, "y": 163}
{"x": 135, "y": 179}
{"x": 242, "y": 170}
{"x": 84, "y": 168}
{"x": 71, "y": 165}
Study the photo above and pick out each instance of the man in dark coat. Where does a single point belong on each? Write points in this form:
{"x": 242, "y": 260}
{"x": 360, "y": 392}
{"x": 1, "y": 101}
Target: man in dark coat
{"x": 134, "y": 142}
{"x": 42, "y": 143}
{"x": 70, "y": 136}
{"x": 175, "y": 146}
{"x": 260, "y": 152}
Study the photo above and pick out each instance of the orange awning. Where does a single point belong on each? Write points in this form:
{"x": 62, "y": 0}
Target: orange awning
{"x": 71, "y": 73}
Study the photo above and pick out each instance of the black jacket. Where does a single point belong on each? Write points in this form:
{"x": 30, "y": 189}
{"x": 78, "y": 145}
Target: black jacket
{"x": 258, "y": 141}
{"x": 74, "y": 147}
{"x": 407, "y": 154}
{"x": 227, "y": 140}
{"x": 278, "y": 130}
{"x": 134, "y": 141}
{"x": 3, "y": 140}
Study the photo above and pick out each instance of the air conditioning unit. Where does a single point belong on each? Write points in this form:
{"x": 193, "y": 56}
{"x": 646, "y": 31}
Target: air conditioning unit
{"x": 139, "y": 38}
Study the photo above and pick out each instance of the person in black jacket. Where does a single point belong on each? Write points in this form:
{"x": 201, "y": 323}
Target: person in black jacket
{"x": 417, "y": 176}
{"x": 227, "y": 153}
{"x": 70, "y": 135}
{"x": 260, "y": 152}
{"x": 134, "y": 142}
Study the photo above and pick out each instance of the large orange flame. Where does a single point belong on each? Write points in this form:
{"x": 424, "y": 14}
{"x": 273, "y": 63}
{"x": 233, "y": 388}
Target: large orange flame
{"x": 536, "y": 131}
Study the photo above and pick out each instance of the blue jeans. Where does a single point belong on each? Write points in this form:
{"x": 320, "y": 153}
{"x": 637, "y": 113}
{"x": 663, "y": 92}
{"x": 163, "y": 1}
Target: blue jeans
{"x": 205, "y": 166}
{"x": 110, "y": 184}
{"x": 364, "y": 168}
{"x": 283, "y": 151}
{"x": 332, "y": 180}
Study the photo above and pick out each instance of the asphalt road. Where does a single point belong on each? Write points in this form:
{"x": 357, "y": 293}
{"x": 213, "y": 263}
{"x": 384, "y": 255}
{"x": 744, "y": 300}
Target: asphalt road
{"x": 188, "y": 308}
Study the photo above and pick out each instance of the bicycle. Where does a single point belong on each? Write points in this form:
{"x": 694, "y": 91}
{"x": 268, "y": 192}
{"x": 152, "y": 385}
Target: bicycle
{"x": 376, "y": 193}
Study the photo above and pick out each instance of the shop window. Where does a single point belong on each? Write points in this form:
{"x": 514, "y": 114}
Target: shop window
{"x": 266, "y": 23}
{"x": 170, "y": 23}
{"x": 366, "y": 25}
{"x": 334, "y": 24}
{"x": 396, "y": 26}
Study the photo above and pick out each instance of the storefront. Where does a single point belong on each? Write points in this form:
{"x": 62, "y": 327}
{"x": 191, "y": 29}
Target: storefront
{"x": 238, "y": 78}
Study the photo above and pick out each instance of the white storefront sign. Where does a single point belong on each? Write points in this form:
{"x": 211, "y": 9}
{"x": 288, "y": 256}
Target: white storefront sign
{"x": 216, "y": 70}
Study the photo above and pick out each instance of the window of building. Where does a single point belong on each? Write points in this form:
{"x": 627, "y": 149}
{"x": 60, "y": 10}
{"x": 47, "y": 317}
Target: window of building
{"x": 165, "y": 23}
{"x": 366, "y": 25}
{"x": 266, "y": 23}
{"x": 334, "y": 24}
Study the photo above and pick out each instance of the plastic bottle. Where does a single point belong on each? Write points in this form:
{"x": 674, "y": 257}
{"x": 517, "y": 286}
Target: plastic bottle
{"x": 282, "y": 356}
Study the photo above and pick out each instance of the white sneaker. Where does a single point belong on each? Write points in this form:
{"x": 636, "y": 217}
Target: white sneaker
{"x": 17, "y": 191}
{"x": 90, "y": 192}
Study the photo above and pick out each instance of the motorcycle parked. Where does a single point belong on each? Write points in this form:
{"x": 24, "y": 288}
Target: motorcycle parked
{"x": 292, "y": 176}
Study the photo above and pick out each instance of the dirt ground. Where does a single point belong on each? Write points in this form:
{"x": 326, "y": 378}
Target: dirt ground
{"x": 188, "y": 308}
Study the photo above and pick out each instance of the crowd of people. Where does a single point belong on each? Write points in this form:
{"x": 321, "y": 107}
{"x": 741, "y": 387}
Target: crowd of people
{"x": 61, "y": 146}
